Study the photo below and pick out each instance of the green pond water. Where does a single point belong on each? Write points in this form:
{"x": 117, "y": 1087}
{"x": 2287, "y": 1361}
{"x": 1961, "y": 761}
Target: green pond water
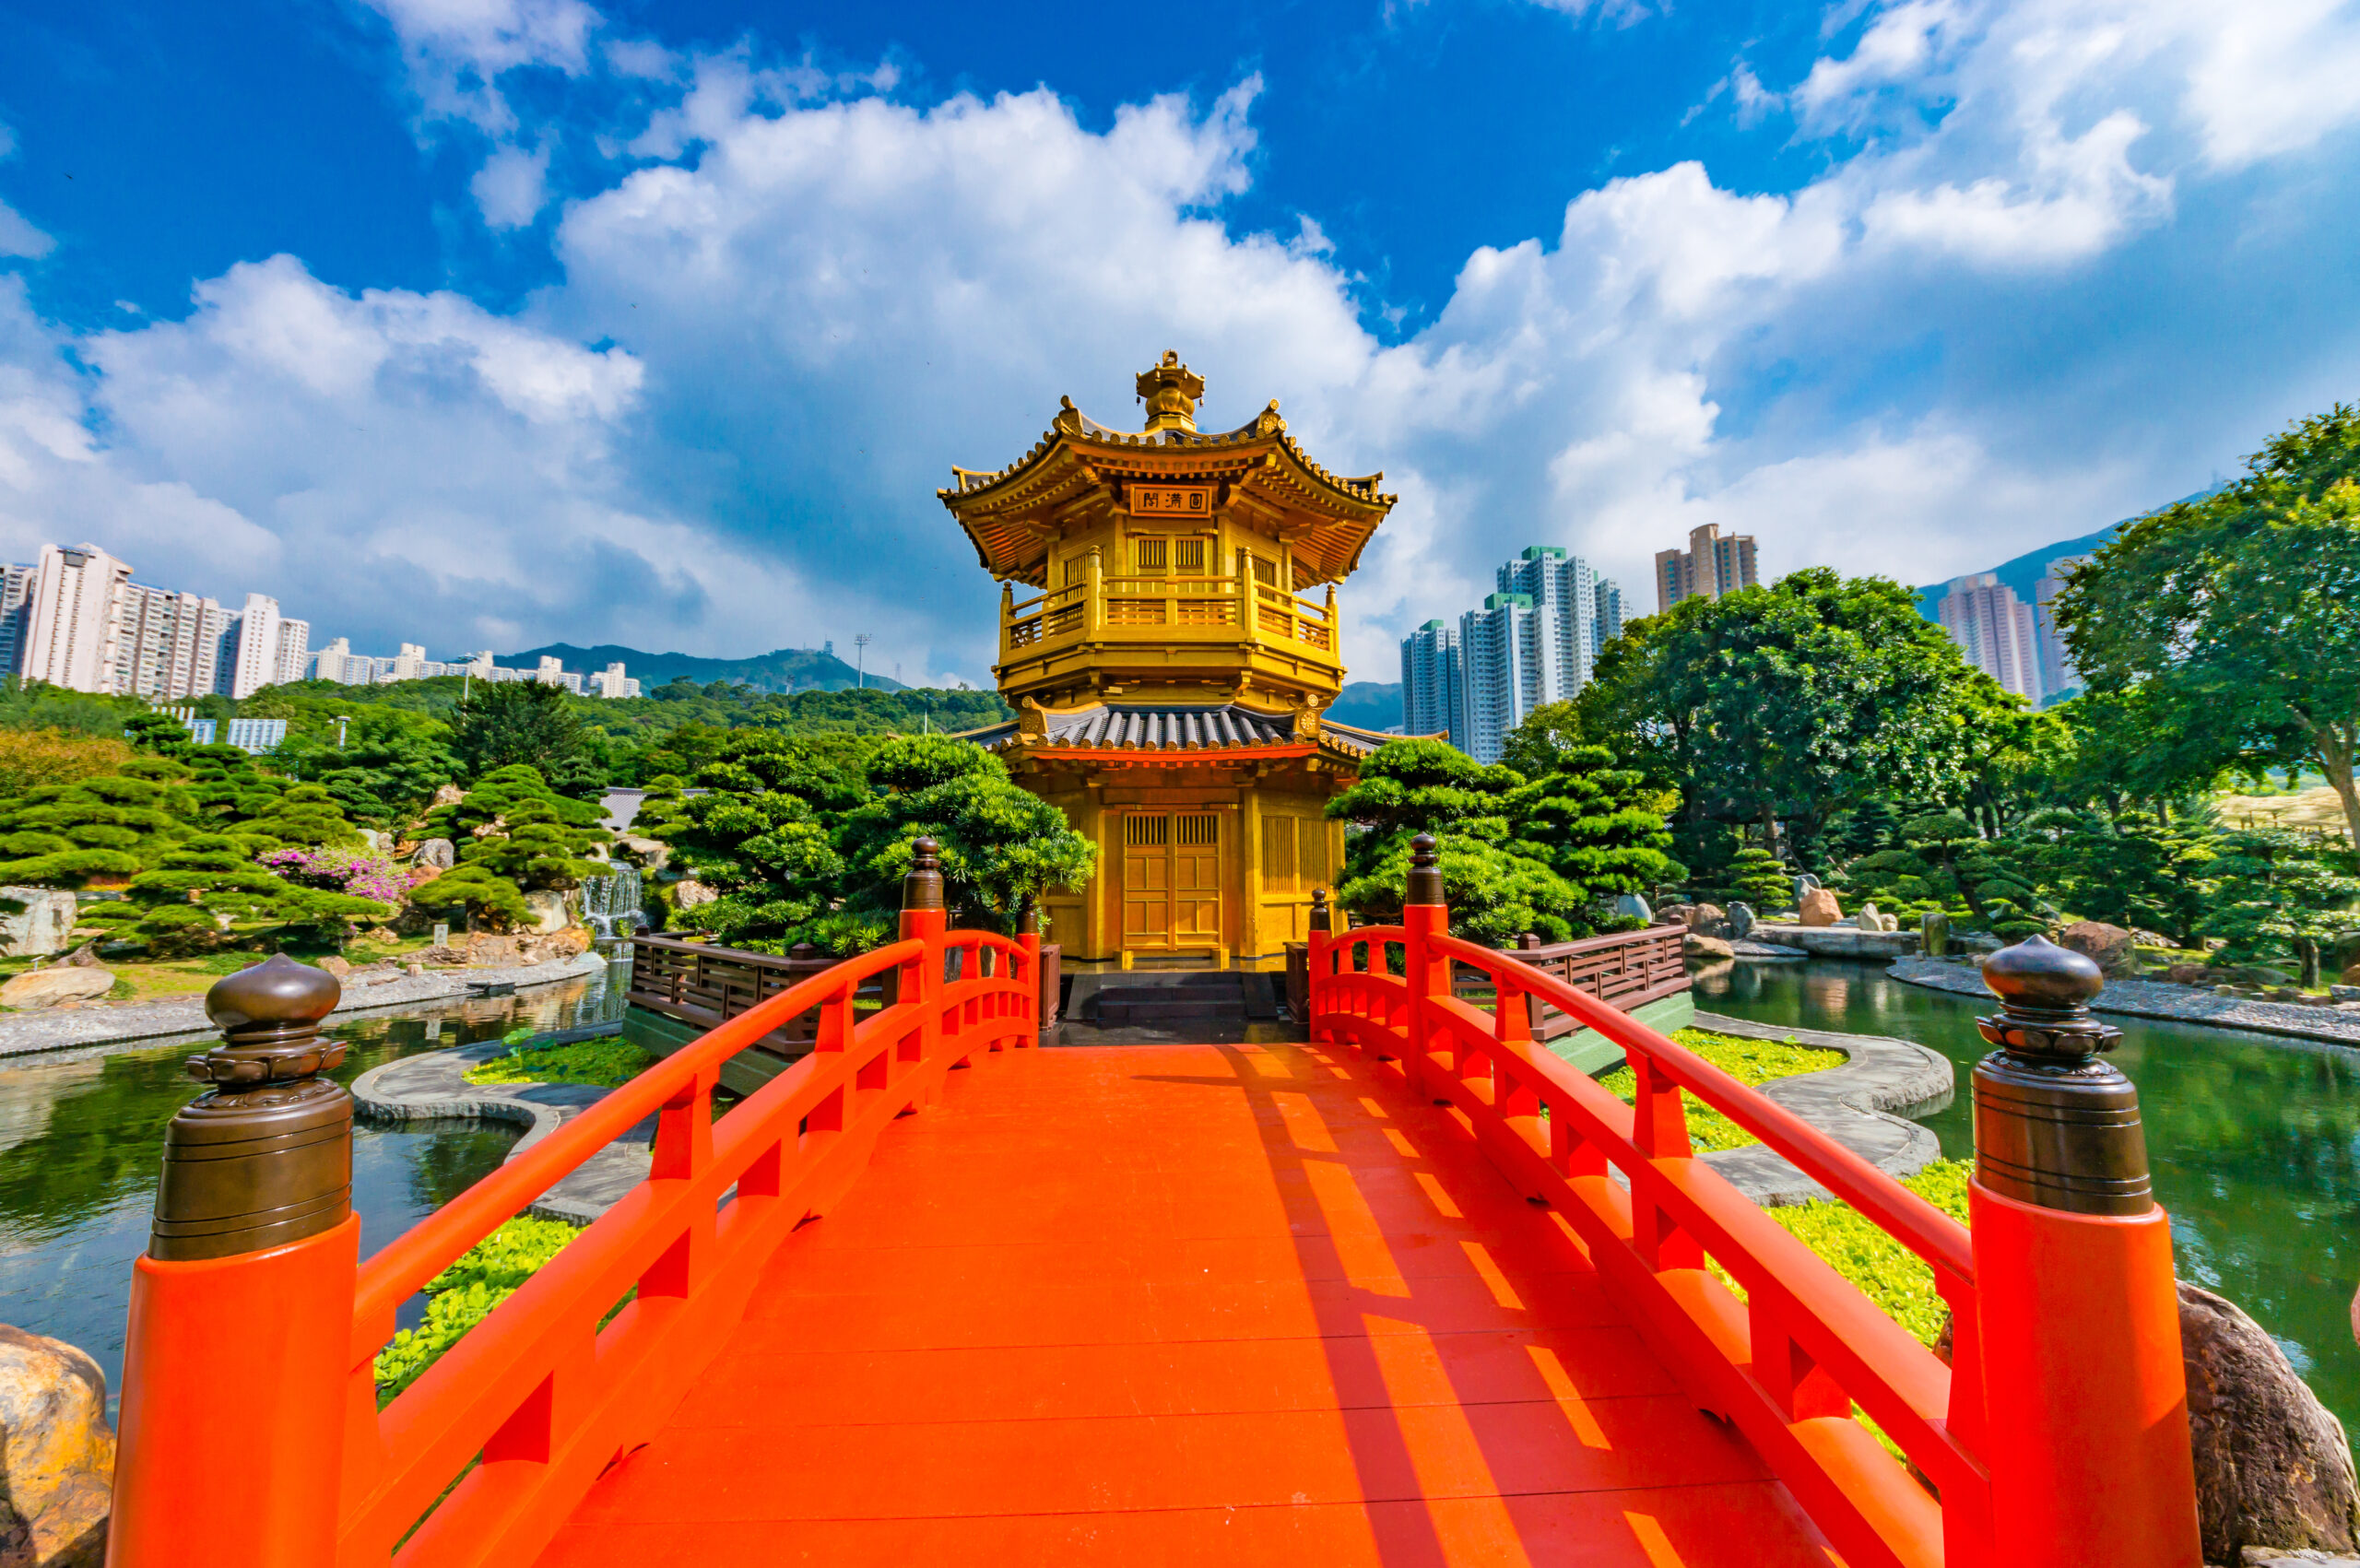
{"x": 2255, "y": 1142}
{"x": 81, "y": 1133}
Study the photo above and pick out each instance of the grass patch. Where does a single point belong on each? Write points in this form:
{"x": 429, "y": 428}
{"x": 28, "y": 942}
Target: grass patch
{"x": 606, "y": 1063}
{"x": 1751, "y": 1062}
{"x": 1889, "y": 1274}
{"x": 465, "y": 1294}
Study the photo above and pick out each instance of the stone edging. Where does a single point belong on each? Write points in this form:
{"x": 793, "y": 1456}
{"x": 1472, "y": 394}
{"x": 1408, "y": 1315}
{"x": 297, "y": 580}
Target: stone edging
{"x": 432, "y": 1085}
{"x": 2173, "y": 1004}
{"x": 1852, "y": 1103}
{"x": 48, "y": 1030}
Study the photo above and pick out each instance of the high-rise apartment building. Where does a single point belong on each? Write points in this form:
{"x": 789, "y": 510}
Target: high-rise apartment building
{"x": 612, "y": 682}
{"x": 1534, "y": 641}
{"x": 2059, "y": 678}
{"x": 70, "y": 637}
{"x": 1712, "y": 564}
{"x": 1995, "y": 630}
{"x": 16, "y": 614}
{"x": 1430, "y": 674}
{"x": 167, "y": 645}
{"x": 1497, "y": 648}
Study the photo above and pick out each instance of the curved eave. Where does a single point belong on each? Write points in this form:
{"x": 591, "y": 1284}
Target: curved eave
{"x": 995, "y": 510}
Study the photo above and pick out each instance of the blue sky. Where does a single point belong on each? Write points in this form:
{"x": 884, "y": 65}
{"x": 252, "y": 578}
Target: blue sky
{"x": 486, "y": 322}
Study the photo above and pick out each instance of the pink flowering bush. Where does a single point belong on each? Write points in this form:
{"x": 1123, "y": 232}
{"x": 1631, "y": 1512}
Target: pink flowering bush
{"x": 363, "y": 873}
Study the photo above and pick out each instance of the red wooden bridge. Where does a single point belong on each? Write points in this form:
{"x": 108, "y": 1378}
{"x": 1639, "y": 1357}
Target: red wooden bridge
{"x": 1412, "y": 1293}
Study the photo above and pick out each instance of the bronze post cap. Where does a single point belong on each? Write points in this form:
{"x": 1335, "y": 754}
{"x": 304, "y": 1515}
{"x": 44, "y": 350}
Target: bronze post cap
{"x": 266, "y": 1156}
{"x": 2054, "y": 1125}
{"x": 1425, "y": 872}
{"x": 922, "y": 887}
{"x": 1319, "y": 910}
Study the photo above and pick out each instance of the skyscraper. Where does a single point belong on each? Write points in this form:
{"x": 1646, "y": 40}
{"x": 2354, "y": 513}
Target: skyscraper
{"x": 1995, "y": 630}
{"x": 1712, "y": 564}
{"x": 2059, "y": 678}
{"x": 16, "y": 614}
{"x": 1572, "y": 608}
{"x": 167, "y": 645}
{"x": 1497, "y": 647}
{"x": 1430, "y": 681}
{"x": 264, "y": 648}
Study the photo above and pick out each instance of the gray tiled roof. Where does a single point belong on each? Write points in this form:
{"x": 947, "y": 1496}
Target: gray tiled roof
{"x": 1178, "y": 725}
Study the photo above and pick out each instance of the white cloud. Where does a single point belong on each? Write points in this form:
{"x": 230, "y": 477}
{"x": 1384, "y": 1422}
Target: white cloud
{"x": 458, "y": 49}
{"x": 512, "y": 186}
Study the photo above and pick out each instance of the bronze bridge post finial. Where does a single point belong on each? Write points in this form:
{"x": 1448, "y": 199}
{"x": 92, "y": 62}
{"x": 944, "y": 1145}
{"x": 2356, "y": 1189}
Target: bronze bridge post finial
{"x": 1424, "y": 884}
{"x": 922, "y": 886}
{"x": 2054, "y": 1125}
{"x": 266, "y": 1156}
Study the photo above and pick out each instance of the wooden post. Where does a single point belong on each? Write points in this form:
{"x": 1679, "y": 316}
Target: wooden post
{"x": 2086, "y": 1397}
{"x": 923, "y": 919}
{"x": 1029, "y": 936}
{"x": 241, "y": 1328}
{"x": 1093, "y": 592}
{"x": 1317, "y": 964}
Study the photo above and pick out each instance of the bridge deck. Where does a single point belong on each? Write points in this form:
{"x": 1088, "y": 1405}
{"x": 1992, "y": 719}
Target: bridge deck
{"x": 1184, "y": 1304}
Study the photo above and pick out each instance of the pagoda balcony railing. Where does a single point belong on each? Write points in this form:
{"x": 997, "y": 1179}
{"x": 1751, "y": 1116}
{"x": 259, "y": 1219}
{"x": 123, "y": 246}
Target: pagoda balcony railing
{"x": 1156, "y": 608}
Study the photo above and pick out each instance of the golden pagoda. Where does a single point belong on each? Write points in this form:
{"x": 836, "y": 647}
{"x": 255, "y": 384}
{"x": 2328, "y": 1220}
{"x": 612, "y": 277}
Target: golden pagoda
{"x": 1169, "y": 673}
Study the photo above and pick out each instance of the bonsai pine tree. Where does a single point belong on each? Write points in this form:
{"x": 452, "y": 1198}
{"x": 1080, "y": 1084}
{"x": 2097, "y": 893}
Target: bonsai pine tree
{"x": 109, "y": 827}
{"x": 1002, "y": 846}
{"x": 1408, "y": 787}
{"x": 2276, "y": 894}
{"x": 1599, "y": 827}
{"x": 516, "y": 829}
{"x": 1760, "y": 879}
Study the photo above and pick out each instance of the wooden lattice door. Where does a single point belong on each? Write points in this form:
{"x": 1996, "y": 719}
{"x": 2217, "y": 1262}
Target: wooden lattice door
{"x": 1147, "y": 881}
{"x": 1195, "y": 879}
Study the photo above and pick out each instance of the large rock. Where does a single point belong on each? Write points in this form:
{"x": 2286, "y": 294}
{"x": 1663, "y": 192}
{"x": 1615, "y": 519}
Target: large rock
{"x": 550, "y": 913}
{"x": 1742, "y": 920}
{"x": 1935, "y": 927}
{"x": 693, "y": 894}
{"x": 1871, "y": 918}
{"x": 651, "y": 855}
{"x": 59, "y": 1466}
{"x": 571, "y": 942}
{"x": 440, "y": 853}
{"x": 1632, "y": 904}
{"x": 2351, "y": 976}
{"x": 2273, "y": 1466}
{"x": 1818, "y": 907}
{"x": 59, "y": 983}
{"x": 1697, "y": 946}
{"x": 449, "y": 794}
{"x": 2110, "y": 946}
{"x": 45, "y": 924}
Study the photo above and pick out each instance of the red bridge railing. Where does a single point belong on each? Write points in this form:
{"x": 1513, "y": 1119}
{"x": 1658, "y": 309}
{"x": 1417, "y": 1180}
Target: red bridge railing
{"x": 2087, "y": 1478}
{"x": 485, "y": 1455}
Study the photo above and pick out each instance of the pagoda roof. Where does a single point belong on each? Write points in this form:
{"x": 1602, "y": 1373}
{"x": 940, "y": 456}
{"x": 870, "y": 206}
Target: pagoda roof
{"x": 1012, "y": 514}
{"x": 1174, "y": 727}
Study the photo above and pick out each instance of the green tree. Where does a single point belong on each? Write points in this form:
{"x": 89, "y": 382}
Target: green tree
{"x": 1541, "y": 743}
{"x": 1761, "y": 879}
{"x": 107, "y": 827}
{"x": 1792, "y": 702}
{"x": 1599, "y": 827}
{"x": 1002, "y": 846}
{"x": 1408, "y": 787}
{"x": 2276, "y": 894}
{"x": 514, "y": 828}
{"x": 2237, "y": 617}
{"x": 517, "y": 723}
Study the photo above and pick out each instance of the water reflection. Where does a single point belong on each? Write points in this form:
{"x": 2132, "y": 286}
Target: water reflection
{"x": 81, "y": 1134}
{"x": 2255, "y": 1142}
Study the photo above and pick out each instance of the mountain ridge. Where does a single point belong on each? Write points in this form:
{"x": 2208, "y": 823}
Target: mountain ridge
{"x": 781, "y": 669}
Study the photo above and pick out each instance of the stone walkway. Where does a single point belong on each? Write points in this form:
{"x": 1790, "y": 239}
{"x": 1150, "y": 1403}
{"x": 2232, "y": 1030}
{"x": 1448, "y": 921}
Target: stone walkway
{"x": 1853, "y": 1104}
{"x": 54, "y": 1031}
{"x": 433, "y": 1085}
{"x": 2156, "y": 1000}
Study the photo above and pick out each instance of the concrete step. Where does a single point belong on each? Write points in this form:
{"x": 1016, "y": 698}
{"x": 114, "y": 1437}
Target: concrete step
{"x": 1116, "y": 1014}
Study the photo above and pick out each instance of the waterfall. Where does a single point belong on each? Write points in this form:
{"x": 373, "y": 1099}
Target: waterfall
{"x": 610, "y": 904}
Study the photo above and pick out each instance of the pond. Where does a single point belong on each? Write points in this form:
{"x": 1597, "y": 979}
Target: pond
{"x": 2255, "y": 1142}
{"x": 81, "y": 1133}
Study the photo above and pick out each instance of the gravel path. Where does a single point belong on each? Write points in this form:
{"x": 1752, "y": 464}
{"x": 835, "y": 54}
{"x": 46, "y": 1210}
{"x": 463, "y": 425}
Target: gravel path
{"x": 50, "y": 1030}
{"x": 2152, "y": 999}
{"x": 1853, "y": 1104}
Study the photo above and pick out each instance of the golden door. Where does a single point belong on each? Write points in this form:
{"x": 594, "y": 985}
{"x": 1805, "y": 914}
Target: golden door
{"x": 1147, "y": 881}
{"x": 1195, "y": 879}
{"x": 1172, "y": 874}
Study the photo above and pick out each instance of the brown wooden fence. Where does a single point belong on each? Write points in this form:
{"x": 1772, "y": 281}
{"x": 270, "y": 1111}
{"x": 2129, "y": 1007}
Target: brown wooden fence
{"x": 1626, "y": 969}
{"x": 704, "y": 985}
